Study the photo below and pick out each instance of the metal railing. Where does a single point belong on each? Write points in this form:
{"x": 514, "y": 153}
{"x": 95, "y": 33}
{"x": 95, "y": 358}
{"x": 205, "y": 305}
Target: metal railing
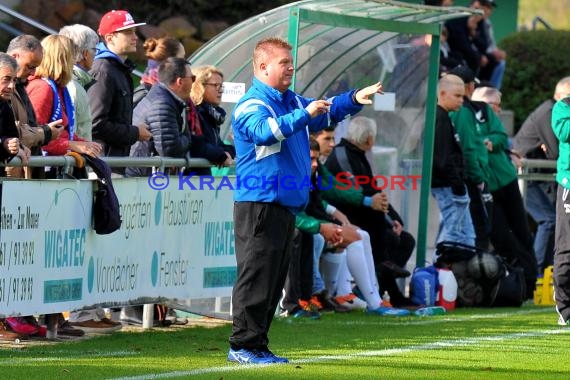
{"x": 525, "y": 175}
{"x": 157, "y": 162}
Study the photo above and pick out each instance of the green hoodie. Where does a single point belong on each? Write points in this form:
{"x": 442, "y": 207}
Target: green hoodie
{"x": 474, "y": 151}
{"x": 561, "y": 128}
{"x": 494, "y": 168}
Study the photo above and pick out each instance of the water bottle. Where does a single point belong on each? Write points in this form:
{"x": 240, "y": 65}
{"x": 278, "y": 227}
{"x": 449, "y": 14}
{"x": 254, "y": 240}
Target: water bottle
{"x": 447, "y": 289}
{"x": 430, "y": 310}
{"x": 386, "y": 299}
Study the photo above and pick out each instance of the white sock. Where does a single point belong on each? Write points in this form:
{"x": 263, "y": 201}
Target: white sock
{"x": 331, "y": 265}
{"x": 356, "y": 260}
{"x": 344, "y": 285}
{"x": 369, "y": 258}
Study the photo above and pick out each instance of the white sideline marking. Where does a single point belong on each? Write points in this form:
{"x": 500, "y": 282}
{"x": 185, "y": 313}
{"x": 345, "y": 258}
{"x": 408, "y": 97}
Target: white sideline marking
{"x": 385, "y": 352}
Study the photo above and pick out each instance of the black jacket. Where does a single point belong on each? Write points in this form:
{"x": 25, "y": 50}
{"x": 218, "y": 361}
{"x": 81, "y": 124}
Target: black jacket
{"x": 209, "y": 145}
{"x": 360, "y": 166}
{"x": 460, "y": 41}
{"x": 448, "y": 164}
{"x": 8, "y": 130}
{"x": 111, "y": 102}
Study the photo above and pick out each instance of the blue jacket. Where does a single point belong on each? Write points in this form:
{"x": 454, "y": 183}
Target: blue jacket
{"x": 271, "y": 136}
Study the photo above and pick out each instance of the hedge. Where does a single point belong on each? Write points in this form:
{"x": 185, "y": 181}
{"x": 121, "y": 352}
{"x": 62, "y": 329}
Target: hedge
{"x": 536, "y": 61}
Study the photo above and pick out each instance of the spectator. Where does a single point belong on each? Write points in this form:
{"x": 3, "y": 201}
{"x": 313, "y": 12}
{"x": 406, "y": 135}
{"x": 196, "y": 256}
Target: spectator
{"x": 536, "y": 140}
{"x": 392, "y": 246}
{"x": 28, "y": 52}
{"x": 448, "y": 59}
{"x": 111, "y": 96}
{"x": 461, "y": 32}
{"x": 10, "y": 141}
{"x": 51, "y": 100}
{"x": 476, "y": 159}
{"x": 164, "y": 111}
{"x": 11, "y": 147}
{"x": 85, "y": 40}
{"x": 561, "y": 127}
{"x": 494, "y": 70}
{"x": 510, "y": 233}
{"x": 207, "y": 95}
{"x": 156, "y": 50}
{"x": 270, "y": 124}
{"x": 447, "y": 182}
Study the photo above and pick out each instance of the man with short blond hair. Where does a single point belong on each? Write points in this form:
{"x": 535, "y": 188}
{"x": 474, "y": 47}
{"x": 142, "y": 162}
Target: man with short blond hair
{"x": 271, "y": 125}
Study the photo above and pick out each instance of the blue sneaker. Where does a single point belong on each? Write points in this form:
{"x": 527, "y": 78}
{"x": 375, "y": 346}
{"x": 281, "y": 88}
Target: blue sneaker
{"x": 274, "y": 358}
{"x": 307, "y": 314}
{"x": 383, "y": 310}
{"x": 245, "y": 356}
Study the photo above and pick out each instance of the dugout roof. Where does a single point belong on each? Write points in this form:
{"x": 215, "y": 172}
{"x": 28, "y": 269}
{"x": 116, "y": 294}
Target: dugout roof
{"x": 342, "y": 44}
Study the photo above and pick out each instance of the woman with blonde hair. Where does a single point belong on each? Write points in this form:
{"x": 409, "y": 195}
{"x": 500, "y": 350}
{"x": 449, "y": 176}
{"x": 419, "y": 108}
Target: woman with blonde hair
{"x": 206, "y": 94}
{"x": 51, "y": 100}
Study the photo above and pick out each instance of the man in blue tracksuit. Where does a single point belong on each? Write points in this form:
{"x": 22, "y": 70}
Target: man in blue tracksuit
{"x": 271, "y": 126}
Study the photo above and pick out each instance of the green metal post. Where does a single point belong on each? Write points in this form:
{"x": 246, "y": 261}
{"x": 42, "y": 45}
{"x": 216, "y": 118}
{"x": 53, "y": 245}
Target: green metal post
{"x": 429, "y": 133}
{"x": 293, "y": 38}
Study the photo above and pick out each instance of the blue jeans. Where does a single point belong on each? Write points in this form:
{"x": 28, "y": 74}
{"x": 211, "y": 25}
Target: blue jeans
{"x": 543, "y": 211}
{"x": 498, "y": 74}
{"x": 318, "y": 246}
{"x": 455, "y": 220}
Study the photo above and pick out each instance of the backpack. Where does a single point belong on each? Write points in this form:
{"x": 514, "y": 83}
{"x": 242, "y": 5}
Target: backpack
{"x": 424, "y": 286}
{"x": 483, "y": 278}
{"x": 510, "y": 289}
{"x": 106, "y": 209}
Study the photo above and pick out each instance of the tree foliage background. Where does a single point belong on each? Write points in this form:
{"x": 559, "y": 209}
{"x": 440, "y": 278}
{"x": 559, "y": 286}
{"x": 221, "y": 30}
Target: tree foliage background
{"x": 537, "y": 60}
{"x": 231, "y": 11}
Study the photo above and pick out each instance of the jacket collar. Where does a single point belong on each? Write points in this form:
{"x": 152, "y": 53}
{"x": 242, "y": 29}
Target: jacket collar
{"x": 272, "y": 93}
{"x": 103, "y": 52}
{"x": 168, "y": 90}
{"x": 350, "y": 146}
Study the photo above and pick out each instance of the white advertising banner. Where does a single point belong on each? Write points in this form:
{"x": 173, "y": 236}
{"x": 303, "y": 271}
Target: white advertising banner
{"x": 174, "y": 244}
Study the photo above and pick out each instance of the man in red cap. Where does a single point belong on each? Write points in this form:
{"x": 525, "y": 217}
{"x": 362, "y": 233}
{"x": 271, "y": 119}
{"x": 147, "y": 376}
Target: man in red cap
{"x": 111, "y": 96}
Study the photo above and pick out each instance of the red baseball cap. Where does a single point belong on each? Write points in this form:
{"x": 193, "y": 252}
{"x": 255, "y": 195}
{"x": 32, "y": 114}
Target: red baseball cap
{"x": 115, "y": 21}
